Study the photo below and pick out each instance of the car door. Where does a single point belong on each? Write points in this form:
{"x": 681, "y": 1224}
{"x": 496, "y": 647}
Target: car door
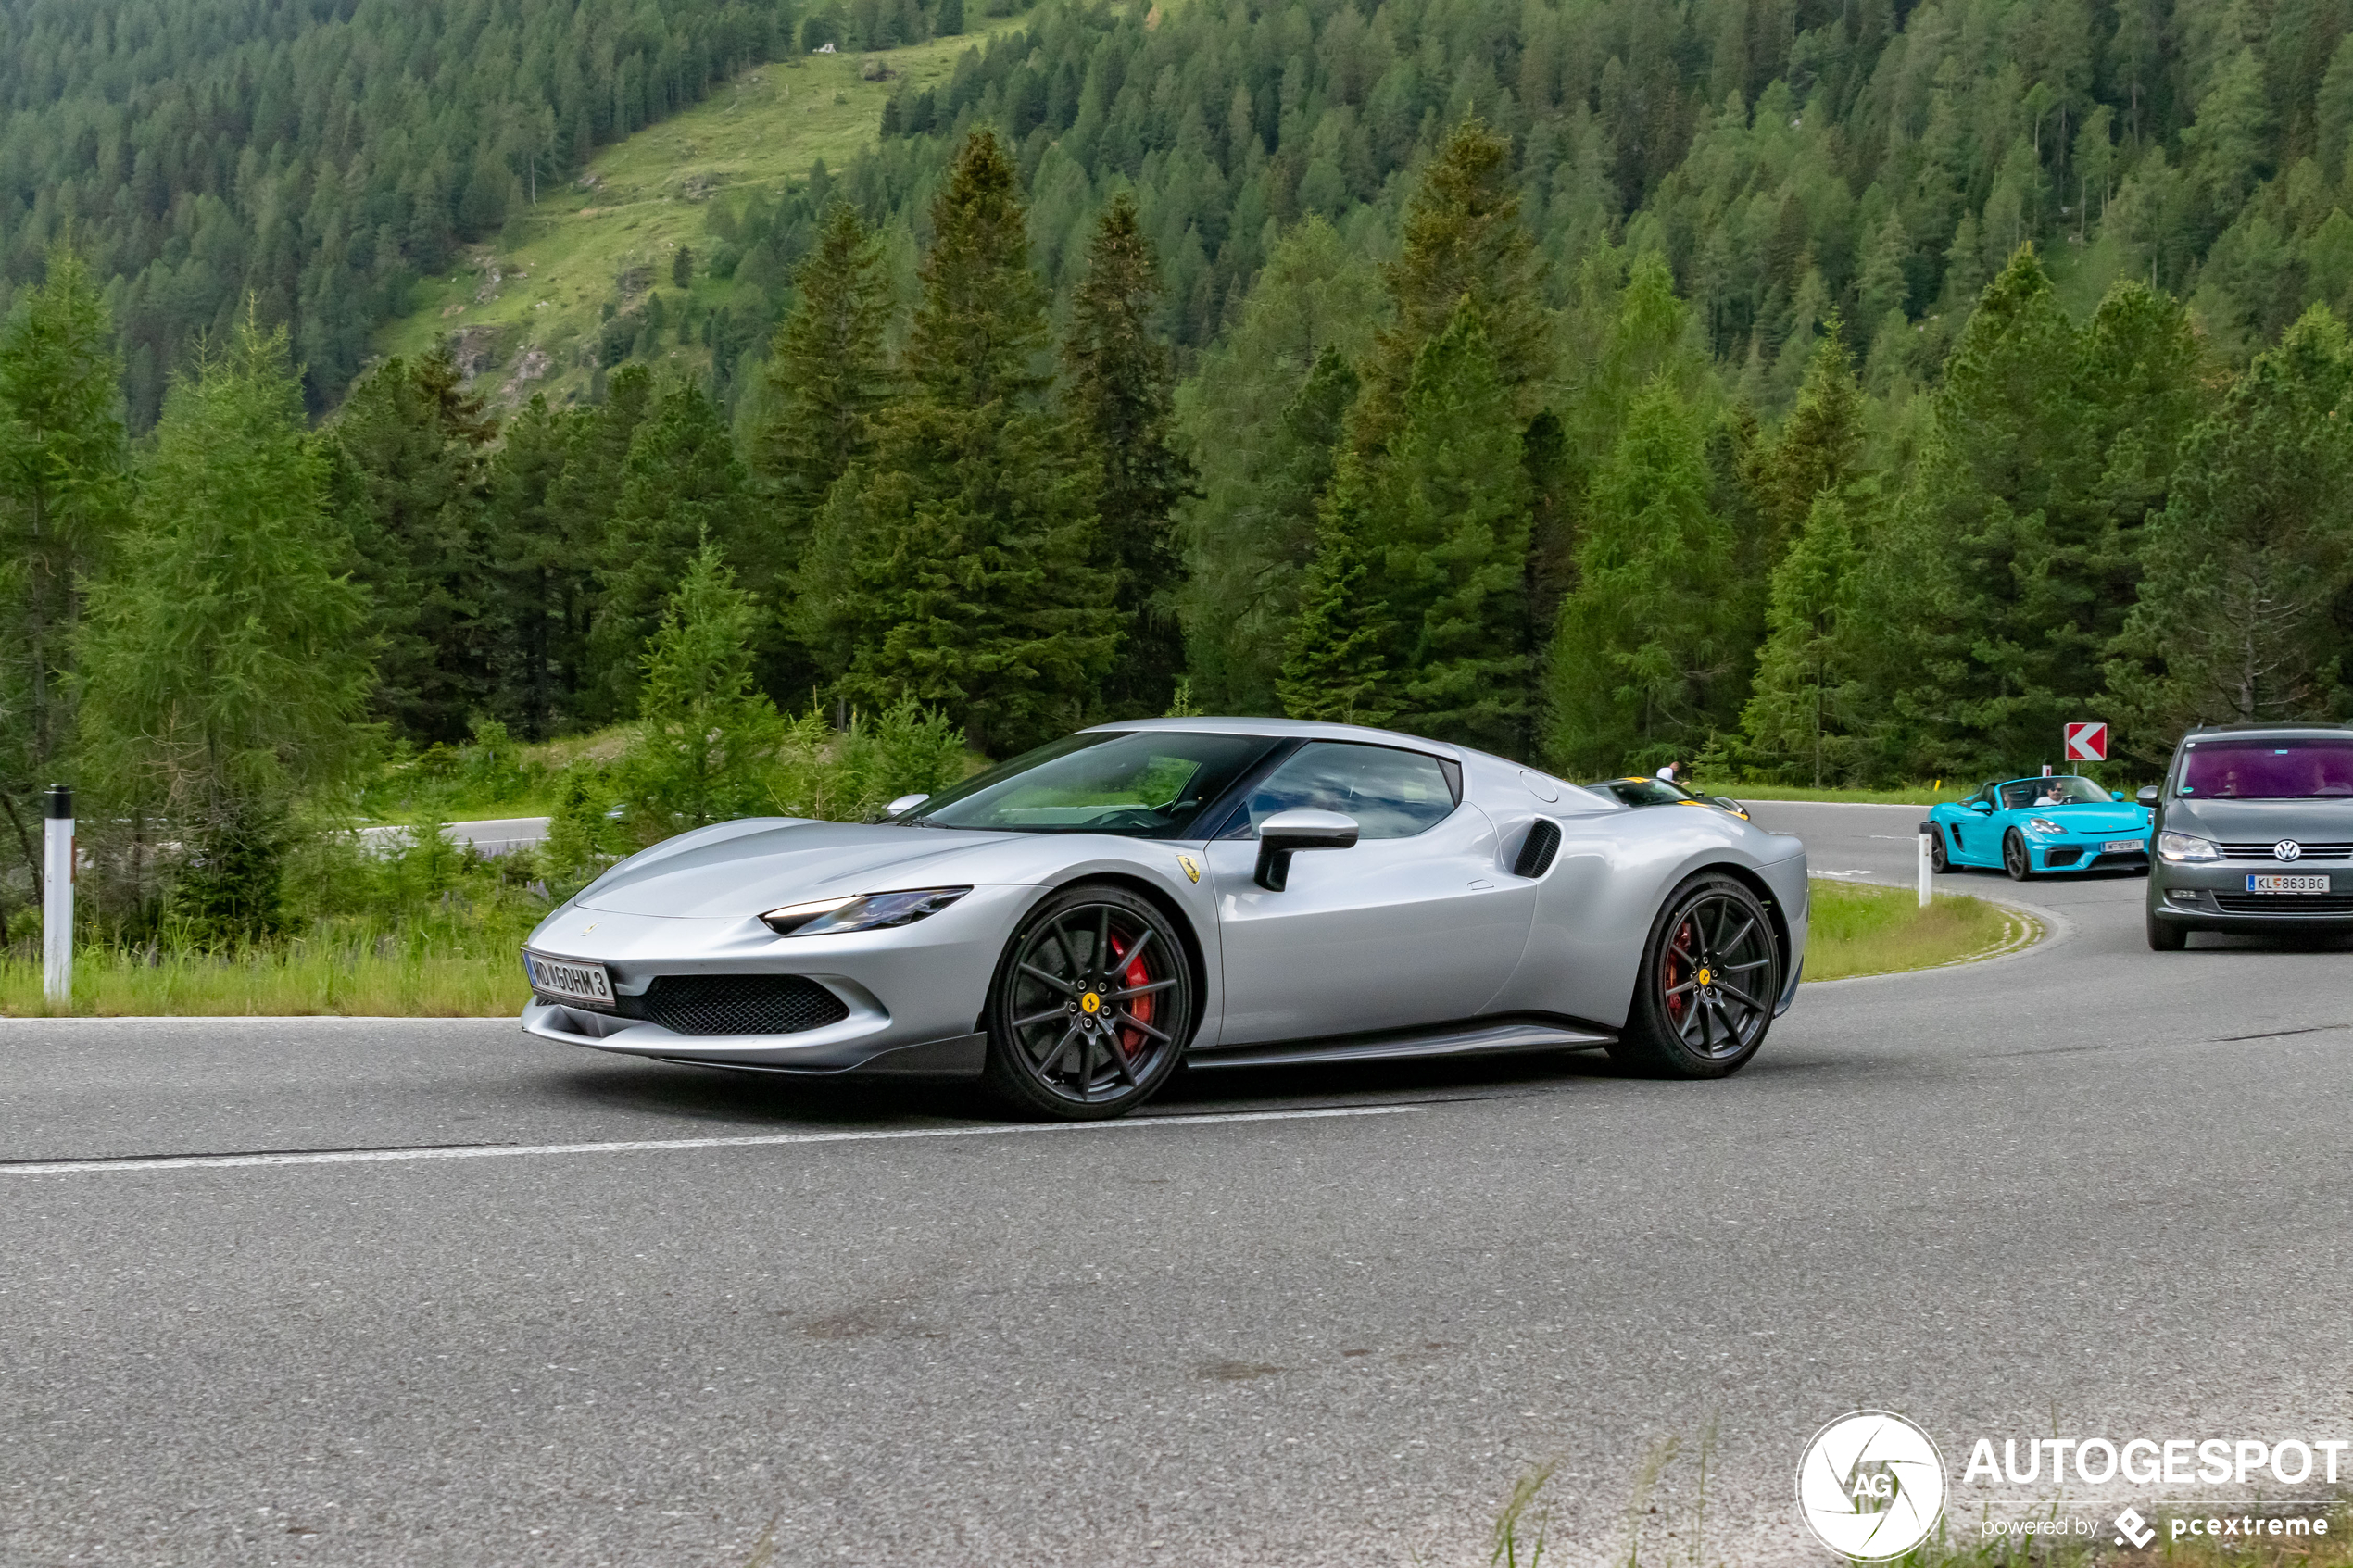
{"x": 1417, "y": 924}
{"x": 1976, "y": 839}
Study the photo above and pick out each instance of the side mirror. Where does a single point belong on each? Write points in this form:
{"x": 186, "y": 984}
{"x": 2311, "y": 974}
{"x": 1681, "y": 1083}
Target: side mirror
{"x": 2147, "y": 795}
{"x": 1983, "y": 807}
{"x": 1286, "y": 832}
{"x": 904, "y": 803}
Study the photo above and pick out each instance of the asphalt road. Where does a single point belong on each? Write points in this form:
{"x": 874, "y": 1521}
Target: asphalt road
{"x": 2086, "y": 1185}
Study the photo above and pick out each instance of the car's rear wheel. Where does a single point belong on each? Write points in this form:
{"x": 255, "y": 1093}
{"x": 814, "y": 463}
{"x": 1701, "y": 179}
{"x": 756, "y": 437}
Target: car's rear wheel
{"x": 2165, "y": 936}
{"x": 2014, "y": 857}
{"x": 1938, "y": 859}
{"x": 1711, "y": 972}
{"x": 1093, "y": 1008}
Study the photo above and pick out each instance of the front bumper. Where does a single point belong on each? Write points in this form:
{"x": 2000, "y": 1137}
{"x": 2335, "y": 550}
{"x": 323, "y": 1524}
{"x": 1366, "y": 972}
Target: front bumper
{"x": 2211, "y": 895}
{"x": 2084, "y": 852}
{"x": 911, "y": 997}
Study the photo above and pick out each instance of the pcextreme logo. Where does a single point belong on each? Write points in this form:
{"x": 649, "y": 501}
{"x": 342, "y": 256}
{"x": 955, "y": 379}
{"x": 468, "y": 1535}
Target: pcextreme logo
{"x": 1872, "y": 1485}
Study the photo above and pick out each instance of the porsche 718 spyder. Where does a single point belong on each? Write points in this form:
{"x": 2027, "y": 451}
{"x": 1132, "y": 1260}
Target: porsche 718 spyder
{"x": 1072, "y": 926}
{"x": 2026, "y": 827}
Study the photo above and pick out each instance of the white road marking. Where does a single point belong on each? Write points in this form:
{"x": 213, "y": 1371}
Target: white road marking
{"x": 647, "y": 1146}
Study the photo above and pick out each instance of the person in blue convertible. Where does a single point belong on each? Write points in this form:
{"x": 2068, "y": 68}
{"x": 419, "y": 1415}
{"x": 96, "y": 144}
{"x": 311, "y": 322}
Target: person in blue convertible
{"x": 2028, "y": 826}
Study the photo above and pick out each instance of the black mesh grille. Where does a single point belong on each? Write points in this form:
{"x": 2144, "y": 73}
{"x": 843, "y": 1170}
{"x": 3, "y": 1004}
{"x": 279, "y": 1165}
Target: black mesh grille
{"x": 1537, "y": 850}
{"x": 736, "y": 1004}
{"x": 2283, "y": 904}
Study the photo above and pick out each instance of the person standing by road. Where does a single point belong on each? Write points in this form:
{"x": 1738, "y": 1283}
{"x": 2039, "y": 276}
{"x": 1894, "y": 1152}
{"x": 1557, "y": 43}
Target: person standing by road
{"x": 1672, "y": 772}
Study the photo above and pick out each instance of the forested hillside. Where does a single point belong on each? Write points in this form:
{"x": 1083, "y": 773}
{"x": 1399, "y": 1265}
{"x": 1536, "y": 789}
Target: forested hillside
{"x": 317, "y": 154}
{"x": 1827, "y": 394}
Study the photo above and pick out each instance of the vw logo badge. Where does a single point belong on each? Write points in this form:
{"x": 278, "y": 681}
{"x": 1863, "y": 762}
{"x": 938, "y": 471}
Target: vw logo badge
{"x": 2287, "y": 849}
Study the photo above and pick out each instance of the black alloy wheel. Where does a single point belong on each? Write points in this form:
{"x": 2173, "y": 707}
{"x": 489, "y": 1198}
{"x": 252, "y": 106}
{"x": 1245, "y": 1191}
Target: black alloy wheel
{"x": 1938, "y": 861}
{"x": 1710, "y": 975}
{"x": 1093, "y": 1008}
{"x": 2014, "y": 856}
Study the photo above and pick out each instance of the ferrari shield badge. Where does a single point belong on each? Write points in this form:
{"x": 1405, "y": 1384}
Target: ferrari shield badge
{"x": 1192, "y": 867}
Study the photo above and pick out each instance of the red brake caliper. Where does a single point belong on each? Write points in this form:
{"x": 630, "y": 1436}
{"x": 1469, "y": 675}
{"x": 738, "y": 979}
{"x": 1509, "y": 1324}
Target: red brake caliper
{"x": 1139, "y": 1008}
{"x": 1679, "y": 970}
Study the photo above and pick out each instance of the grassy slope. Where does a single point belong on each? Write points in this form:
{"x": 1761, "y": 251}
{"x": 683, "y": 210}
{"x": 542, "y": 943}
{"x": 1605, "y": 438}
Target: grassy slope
{"x": 540, "y": 304}
{"x": 1857, "y": 930}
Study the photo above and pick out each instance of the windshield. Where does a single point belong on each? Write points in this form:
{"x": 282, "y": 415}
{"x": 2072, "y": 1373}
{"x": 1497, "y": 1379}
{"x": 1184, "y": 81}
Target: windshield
{"x": 2065, "y": 790}
{"x": 1149, "y": 783}
{"x": 2269, "y": 770}
{"x": 1644, "y": 792}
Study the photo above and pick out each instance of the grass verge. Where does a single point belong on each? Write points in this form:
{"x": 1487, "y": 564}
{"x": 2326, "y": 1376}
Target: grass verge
{"x": 347, "y": 974}
{"x": 1856, "y": 929}
{"x": 1963, "y": 1544}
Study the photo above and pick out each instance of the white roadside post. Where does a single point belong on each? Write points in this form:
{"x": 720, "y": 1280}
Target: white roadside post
{"x": 57, "y": 898}
{"x": 1927, "y": 866}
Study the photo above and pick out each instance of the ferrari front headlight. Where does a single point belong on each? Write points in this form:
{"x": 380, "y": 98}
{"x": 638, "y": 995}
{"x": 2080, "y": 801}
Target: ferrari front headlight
{"x": 2186, "y": 847}
{"x": 2042, "y": 824}
{"x": 867, "y": 911}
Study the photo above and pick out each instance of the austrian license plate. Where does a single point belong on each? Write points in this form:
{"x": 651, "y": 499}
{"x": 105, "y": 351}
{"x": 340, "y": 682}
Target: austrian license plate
{"x": 2123, "y": 846}
{"x": 2286, "y": 884}
{"x": 570, "y": 980}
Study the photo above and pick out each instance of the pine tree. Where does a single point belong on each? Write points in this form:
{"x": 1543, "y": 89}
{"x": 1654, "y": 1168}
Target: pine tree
{"x": 1641, "y": 670}
{"x": 826, "y": 373}
{"x": 226, "y": 650}
{"x": 63, "y": 470}
{"x": 1334, "y": 667}
{"x": 1821, "y": 447}
{"x": 1809, "y": 698}
{"x": 409, "y": 457}
{"x": 1117, "y": 383}
{"x": 2251, "y": 557}
{"x": 1446, "y": 517}
{"x": 543, "y": 582}
{"x": 2003, "y": 572}
{"x": 1462, "y": 238}
{"x": 707, "y": 735}
{"x": 681, "y": 488}
{"x": 956, "y": 569}
{"x": 1264, "y": 420}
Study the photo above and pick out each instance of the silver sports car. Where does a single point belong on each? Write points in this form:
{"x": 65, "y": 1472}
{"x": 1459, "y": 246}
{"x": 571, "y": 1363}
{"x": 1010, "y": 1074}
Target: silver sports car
{"x": 1074, "y": 924}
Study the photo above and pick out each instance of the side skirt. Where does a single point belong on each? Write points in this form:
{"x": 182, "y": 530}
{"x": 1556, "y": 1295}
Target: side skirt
{"x": 1477, "y": 1037}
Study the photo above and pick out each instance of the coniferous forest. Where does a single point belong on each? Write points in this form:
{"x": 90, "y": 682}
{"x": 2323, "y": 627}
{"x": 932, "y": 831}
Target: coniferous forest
{"x": 1824, "y": 394}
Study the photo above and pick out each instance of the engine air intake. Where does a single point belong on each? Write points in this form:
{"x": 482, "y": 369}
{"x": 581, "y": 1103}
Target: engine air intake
{"x": 737, "y": 1004}
{"x": 1536, "y": 851}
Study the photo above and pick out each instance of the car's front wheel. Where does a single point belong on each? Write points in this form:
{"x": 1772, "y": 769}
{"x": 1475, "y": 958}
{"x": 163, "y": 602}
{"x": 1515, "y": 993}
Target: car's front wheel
{"x": 2165, "y": 936}
{"x": 1711, "y": 972}
{"x": 1092, "y": 1008}
{"x": 2014, "y": 856}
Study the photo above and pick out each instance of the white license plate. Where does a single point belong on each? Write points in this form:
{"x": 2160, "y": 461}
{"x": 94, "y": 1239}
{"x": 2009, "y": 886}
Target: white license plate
{"x": 2123, "y": 846}
{"x": 572, "y": 981}
{"x": 2286, "y": 884}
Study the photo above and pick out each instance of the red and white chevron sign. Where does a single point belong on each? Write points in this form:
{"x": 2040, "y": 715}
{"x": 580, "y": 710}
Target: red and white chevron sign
{"x": 2087, "y": 742}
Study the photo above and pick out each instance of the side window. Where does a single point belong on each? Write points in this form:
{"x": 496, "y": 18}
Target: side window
{"x": 1391, "y": 794}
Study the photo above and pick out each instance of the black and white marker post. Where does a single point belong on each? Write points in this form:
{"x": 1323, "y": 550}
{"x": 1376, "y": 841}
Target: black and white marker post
{"x": 57, "y": 898}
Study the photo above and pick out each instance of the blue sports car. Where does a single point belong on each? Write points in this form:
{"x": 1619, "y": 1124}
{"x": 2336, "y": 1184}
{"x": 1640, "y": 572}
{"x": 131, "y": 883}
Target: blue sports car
{"x": 2028, "y": 826}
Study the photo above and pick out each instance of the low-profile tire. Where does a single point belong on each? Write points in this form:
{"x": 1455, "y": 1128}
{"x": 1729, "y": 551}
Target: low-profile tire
{"x": 1938, "y": 861}
{"x": 1711, "y": 972}
{"x": 1093, "y": 1005}
{"x": 2015, "y": 859}
{"x": 2165, "y": 936}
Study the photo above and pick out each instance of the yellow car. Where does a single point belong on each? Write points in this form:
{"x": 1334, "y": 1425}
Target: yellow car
{"x": 1637, "y": 789}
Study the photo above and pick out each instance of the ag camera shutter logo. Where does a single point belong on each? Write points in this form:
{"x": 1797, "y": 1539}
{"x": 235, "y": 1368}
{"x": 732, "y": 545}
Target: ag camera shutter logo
{"x": 1872, "y": 1485}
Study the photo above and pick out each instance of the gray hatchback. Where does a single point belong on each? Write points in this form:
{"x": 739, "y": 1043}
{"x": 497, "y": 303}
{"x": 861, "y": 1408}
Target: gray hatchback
{"x": 2254, "y": 832}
